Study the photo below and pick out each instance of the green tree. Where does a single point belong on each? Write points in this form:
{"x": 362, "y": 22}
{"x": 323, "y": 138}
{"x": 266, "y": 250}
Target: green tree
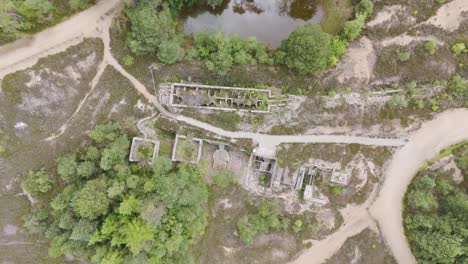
{"x": 423, "y": 200}
{"x": 9, "y": 24}
{"x": 170, "y": 52}
{"x": 67, "y": 168}
{"x": 35, "y": 9}
{"x": 136, "y": 234}
{"x": 129, "y": 205}
{"x": 37, "y": 182}
{"x": 91, "y": 201}
{"x": 83, "y": 230}
{"x": 307, "y": 49}
{"x": 86, "y": 169}
{"x": 151, "y": 23}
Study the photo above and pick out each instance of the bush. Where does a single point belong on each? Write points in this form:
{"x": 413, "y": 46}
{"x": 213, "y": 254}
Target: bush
{"x": 458, "y": 48}
{"x": 403, "y": 55}
{"x": 431, "y": 47}
{"x": 307, "y": 49}
{"x": 170, "y": 52}
{"x": 37, "y": 182}
{"x": 353, "y": 28}
{"x": 297, "y": 226}
{"x": 128, "y": 60}
{"x": 398, "y": 101}
{"x": 458, "y": 86}
{"x": 365, "y": 7}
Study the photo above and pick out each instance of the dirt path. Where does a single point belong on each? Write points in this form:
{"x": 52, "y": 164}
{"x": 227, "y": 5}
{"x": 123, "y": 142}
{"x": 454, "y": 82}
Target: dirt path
{"x": 448, "y": 128}
{"x": 356, "y": 219}
{"x": 25, "y": 52}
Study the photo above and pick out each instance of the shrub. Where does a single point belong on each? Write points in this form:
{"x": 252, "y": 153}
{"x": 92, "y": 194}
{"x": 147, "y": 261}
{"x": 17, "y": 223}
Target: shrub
{"x": 170, "y": 52}
{"x": 353, "y": 28}
{"x": 365, "y": 7}
{"x": 430, "y": 47}
{"x": 458, "y": 86}
{"x": 297, "y": 226}
{"x": 458, "y": 48}
{"x": 128, "y": 60}
{"x": 307, "y": 49}
{"x": 37, "y": 182}
{"x": 398, "y": 101}
{"x": 403, "y": 55}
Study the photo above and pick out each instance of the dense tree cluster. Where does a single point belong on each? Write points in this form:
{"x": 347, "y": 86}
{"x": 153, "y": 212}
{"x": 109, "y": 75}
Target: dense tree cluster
{"x": 221, "y": 51}
{"x": 307, "y": 49}
{"x": 436, "y": 214}
{"x": 22, "y": 16}
{"x": 110, "y": 211}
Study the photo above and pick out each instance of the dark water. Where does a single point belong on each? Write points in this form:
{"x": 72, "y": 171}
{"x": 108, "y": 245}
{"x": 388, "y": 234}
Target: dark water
{"x": 269, "y": 21}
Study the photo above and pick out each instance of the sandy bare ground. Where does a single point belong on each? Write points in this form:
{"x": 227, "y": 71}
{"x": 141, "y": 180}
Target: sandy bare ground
{"x": 356, "y": 219}
{"x": 447, "y": 129}
{"x": 358, "y": 61}
{"x": 450, "y": 15}
{"x": 25, "y": 52}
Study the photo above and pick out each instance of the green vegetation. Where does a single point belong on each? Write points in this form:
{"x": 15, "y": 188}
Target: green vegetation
{"x": 265, "y": 219}
{"x": 19, "y": 17}
{"x": 222, "y": 52}
{"x": 458, "y": 48}
{"x": 151, "y": 25}
{"x": 431, "y": 47}
{"x": 37, "y": 182}
{"x": 186, "y": 150}
{"x": 403, "y": 55}
{"x": 120, "y": 212}
{"x": 436, "y": 213}
{"x": 308, "y": 49}
{"x": 458, "y": 86}
{"x": 145, "y": 151}
{"x": 224, "y": 179}
{"x": 170, "y": 51}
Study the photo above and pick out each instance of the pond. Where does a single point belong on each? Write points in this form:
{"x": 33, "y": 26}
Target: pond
{"x": 269, "y": 21}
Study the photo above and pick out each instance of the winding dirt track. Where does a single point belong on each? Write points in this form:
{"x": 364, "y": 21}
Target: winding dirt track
{"x": 446, "y": 129}
{"x": 25, "y": 52}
